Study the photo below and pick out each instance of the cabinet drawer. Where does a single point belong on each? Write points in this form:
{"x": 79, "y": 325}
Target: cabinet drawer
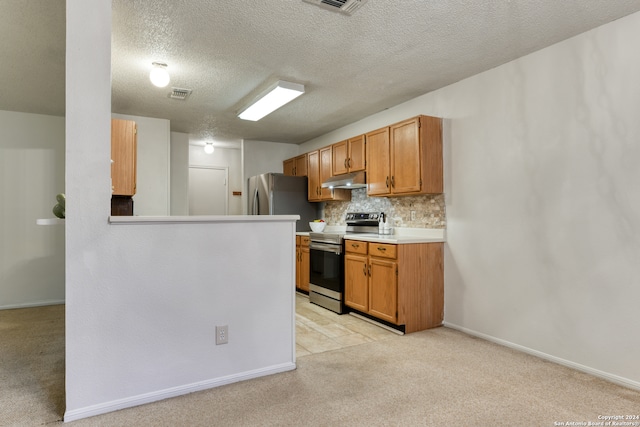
{"x": 382, "y": 250}
{"x": 304, "y": 240}
{"x": 355, "y": 246}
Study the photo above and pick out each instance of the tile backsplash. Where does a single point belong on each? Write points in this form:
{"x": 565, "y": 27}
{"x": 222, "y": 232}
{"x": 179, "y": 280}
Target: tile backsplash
{"x": 430, "y": 209}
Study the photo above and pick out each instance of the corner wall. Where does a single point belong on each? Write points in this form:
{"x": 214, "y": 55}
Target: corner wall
{"x": 179, "y": 173}
{"x": 143, "y": 299}
{"x": 31, "y": 174}
{"x": 542, "y": 199}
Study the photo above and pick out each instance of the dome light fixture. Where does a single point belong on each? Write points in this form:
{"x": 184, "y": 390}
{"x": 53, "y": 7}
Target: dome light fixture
{"x": 208, "y": 148}
{"x": 159, "y": 75}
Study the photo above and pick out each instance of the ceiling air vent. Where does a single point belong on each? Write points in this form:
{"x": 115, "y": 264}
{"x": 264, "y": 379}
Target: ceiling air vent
{"x": 180, "y": 94}
{"x": 343, "y": 6}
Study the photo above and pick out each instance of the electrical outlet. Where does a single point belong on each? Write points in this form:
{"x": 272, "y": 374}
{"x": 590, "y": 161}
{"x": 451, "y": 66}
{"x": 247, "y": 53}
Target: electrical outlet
{"x": 413, "y": 215}
{"x": 222, "y": 334}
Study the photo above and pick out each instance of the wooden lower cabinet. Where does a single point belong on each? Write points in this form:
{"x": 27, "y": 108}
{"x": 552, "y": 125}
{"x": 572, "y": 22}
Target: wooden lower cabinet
{"x": 302, "y": 263}
{"x": 356, "y": 289}
{"x": 383, "y": 285}
{"x": 401, "y": 284}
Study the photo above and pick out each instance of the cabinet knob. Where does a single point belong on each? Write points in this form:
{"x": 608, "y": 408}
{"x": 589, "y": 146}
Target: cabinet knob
{"x": 345, "y": 163}
{"x": 369, "y": 271}
{"x": 355, "y": 245}
{"x": 387, "y": 182}
{"x": 364, "y": 270}
{"x": 393, "y": 181}
{"x": 381, "y": 249}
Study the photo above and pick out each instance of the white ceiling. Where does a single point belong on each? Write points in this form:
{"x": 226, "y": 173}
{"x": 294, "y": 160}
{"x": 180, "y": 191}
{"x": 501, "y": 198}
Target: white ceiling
{"x": 387, "y": 52}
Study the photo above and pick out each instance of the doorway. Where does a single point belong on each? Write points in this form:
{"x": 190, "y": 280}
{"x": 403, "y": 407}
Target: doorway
{"x": 208, "y": 190}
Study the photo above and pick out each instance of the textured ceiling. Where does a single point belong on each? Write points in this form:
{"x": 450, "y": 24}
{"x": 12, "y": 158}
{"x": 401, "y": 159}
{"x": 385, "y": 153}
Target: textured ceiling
{"x": 228, "y": 51}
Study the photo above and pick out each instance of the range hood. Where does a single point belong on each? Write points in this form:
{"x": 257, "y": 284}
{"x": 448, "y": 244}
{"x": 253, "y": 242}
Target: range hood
{"x": 347, "y": 180}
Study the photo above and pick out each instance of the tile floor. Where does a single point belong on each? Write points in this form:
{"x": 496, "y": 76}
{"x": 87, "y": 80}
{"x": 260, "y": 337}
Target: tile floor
{"x": 319, "y": 329}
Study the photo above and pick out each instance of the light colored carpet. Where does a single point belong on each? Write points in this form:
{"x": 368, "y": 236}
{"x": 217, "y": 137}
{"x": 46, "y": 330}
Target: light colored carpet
{"x": 439, "y": 377}
{"x": 31, "y": 366}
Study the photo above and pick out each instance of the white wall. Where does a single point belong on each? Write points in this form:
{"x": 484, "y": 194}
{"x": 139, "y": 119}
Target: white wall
{"x": 229, "y": 158}
{"x": 143, "y": 300}
{"x": 543, "y": 200}
{"x": 263, "y": 157}
{"x": 31, "y": 174}
{"x": 179, "y": 173}
{"x": 153, "y": 168}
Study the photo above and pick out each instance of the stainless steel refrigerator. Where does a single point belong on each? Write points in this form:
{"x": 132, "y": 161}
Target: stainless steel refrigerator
{"x": 279, "y": 194}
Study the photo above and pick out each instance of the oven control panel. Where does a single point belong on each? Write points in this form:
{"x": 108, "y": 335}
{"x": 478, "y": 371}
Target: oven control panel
{"x": 364, "y": 218}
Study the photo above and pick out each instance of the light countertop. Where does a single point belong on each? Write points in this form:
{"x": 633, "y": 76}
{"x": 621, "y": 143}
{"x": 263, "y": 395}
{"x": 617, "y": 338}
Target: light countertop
{"x": 397, "y": 239}
{"x": 401, "y": 235}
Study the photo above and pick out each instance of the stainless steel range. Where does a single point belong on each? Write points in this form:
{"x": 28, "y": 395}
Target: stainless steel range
{"x": 326, "y": 277}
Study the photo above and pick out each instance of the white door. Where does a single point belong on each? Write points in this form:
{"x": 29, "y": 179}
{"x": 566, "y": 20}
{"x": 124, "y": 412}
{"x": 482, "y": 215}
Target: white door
{"x": 208, "y": 190}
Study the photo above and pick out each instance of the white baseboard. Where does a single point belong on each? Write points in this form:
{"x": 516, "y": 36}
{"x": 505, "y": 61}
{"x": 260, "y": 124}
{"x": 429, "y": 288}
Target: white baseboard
{"x": 32, "y": 304}
{"x": 625, "y": 382}
{"x": 142, "y": 399}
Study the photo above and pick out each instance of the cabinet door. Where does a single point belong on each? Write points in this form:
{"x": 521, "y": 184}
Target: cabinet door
{"x": 356, "y": 288}
{"x": 298, "y": 266}
{"x": 304, "y": 268}
{"x": 406, "y": 155}
{"x": 356, "y": 160}
{"x": 378, "y": 162}
{"x": 300, "y": 168}
{"x": 123, "y": 154}
{"x": 325, "y": 172}
{"x": 288, "y": 167}
{"x": 340, "y": 158}
{"x": 383, "y": 289}
{"x": 313, "y": 174}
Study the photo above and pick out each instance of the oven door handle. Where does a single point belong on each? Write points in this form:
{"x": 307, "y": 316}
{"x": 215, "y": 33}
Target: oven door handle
{"x": 325, "y": 247}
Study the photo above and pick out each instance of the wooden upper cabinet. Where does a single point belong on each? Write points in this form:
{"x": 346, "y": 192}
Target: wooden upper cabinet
{"x": 313, "y": 175}
{"x": 325, "y": 171}
{"x": 296, "y": 166}
{"x": 123, "y": 155}
{"x": 340, "y": 157}
{"x": 378, "y": 163}
{"x": 357, "y": 158}
{"x": 349, "y": 155}
{"x": 300, "y": 168}
{"x": 405, "y": 157}
{"x": 412, "y": 163}
{"x": 319, "y": 169}
{"x": 288, "y": 167}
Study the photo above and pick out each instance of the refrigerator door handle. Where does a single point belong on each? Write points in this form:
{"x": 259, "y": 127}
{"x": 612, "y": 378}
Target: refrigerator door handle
{"x": 256, "y": 202}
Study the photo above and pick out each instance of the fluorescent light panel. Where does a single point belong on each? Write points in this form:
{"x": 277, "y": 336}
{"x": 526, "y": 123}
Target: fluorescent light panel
{"x": 282, "y": 93}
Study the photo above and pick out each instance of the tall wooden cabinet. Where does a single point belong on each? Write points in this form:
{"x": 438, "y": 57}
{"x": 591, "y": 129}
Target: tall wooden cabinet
{"x": 401, "y": 284}
{"x": 405, "y": 158}
{"x": 123, "y": 156}
{"x": 123, "y": 166}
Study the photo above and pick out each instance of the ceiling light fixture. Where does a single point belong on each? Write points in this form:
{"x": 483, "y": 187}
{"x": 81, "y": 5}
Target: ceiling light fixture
{"x": 275, "y": 97}
{"x": 159, "y": 75}
{"x": 208, "y": 148}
